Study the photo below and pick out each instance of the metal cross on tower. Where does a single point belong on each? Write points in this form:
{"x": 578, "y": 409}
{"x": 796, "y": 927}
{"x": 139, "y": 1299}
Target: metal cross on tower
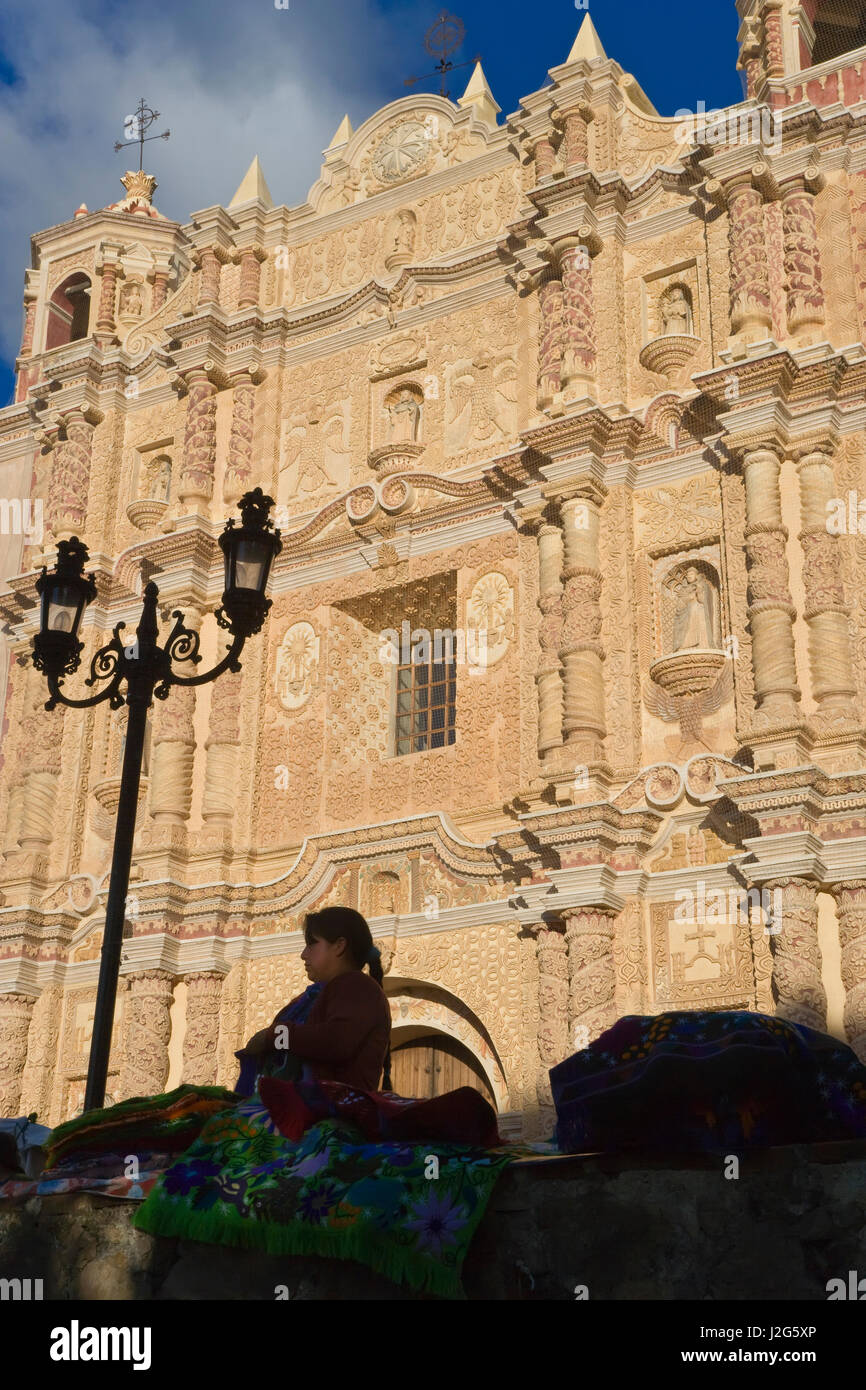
{"x": 441, "y": 39}
{"x": 135, "y": 125}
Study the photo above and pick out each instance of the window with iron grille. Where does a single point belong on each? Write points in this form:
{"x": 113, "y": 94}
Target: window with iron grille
{"x": 426, "y": 702}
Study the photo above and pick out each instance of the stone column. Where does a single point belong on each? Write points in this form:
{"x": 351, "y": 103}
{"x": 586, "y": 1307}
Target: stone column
{"x": 223, "y": 740}
{"x": 750, "y": 55}
{"x": 749, "y": 290}
{"x": 541, "y": 149}
{"x": 107, "y": 267}
{"x": 15, "y": 1013}
{"x": 173, "y": 756}
{"x": 199, "y": 443}
{"x": 202, "y": 1028}
{"x": 145, "y": 1065}
{"x": 550, "y": 303}
{"x": 250, "y": 259}
{"x": 160, "y": 287}
{"x": 581, "y": 652}
{"x": 553, "y": 1040}
{"x": 851, "y": 907}
{"x": 826, "y": 611}
{"x": 805, "y": 303}
{"x": 589, "y": 932}
{"x": 548, "y": 672}
{"x": 771, "y": 14}
{"x": 578, "y": 312}
{"x": 40, "y": 742}
{"x": 211, "y": 260}
{"x": 30, "y": 302}
{"x": 239, "y": 469}
{"x": 771, "y": 612}
{"x": 69, "y": 484}
{"x": 796, "y": 981}
{"x": 575, "y": 138}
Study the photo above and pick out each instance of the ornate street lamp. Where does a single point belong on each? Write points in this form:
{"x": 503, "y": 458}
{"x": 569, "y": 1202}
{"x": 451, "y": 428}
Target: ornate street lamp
{"x": 249, "y": 551}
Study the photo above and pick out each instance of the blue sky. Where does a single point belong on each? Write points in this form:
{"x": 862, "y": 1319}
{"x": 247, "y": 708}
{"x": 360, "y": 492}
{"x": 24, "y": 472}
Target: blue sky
{"x": 243, "y": 78}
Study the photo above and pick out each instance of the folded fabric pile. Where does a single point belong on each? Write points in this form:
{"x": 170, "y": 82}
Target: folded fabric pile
{"x": 708, "y": 1081}
{"x": 462, "y": 1116}
{"x": 406, "y": 1210}
{"x": 145, "y": 1126}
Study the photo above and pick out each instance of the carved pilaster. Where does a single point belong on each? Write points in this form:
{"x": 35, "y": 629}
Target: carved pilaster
{"x": 541, "y": 150}
{"x": 581, "y": 652}
{"x": 160, "y": 287}
{"x": 240, "y": 460}
{"x": 199, "y": 444}
{"x": 222, "y": 750}
{"x": 749, "y": 290}
{"x": 771, "y": 15}
{"x": 202, "y": 1027}
{"x": 771, "y": 612}
{"x": 574, "y": 148}
{"x": 589, "y": 932}
{"x": 851, "y": 906}
{"x": 250, "y": 258}
{"x": 174, "y": 748}
{"x": 826, "y": 611}
{"x": 796, "y": 981}
{"x": 108, "y": 268}
{"x": 550, "y": 303}
{"x": 578, "y": 313}
{"x": 210, "y": 260}
{"x": 145, "y": 1066}
{"x": 69, "y": 484}
{"x": 40, "y": 740}
{"x": 15, "y": 1013}
{"x": 805, "y": 303}
{"x": 553, "y": 1039}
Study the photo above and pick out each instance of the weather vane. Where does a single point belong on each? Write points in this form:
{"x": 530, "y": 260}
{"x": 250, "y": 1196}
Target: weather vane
{"x": 441, "y": 39}
{"x": 135, "y": 125}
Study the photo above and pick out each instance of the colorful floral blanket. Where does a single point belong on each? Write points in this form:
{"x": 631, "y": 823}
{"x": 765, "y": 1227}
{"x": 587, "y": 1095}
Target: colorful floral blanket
{"x": 406, "y": 1210}
{"x": 143, "y": 1124}
{"x": 697, "y": 1080}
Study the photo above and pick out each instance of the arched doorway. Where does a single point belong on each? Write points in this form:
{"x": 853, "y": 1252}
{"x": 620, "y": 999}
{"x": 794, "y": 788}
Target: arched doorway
{"x": 433, "y": 1063}
{"x": 69, "y": 311}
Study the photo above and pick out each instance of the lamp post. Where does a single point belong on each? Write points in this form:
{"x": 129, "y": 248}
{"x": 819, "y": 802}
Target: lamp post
{"x": 249, "y": 551}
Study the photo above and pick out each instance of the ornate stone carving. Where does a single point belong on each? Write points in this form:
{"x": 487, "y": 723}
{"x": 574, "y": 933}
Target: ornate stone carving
{"x": 239, "y": 468}
{"x": 589, "y": 932}
{"x": 771, "y": 612}
{"x": 296, "y": 676}
{"x": 202, "y": 1028}
{"x": 69, "y": 485}
{"x": 218, "y": 805}
{"x": 796, "y": 981}
{"x": 802, "y": 259}
{"x": 851, "y": 906}
{"x": 199, "y": 444}
{"x": 15, "y": 1013}
{"x": 145, "y": 1063}
{"x": 580, "y": 651}
{"x": 826, "y": 611}
{"x": 554, "y": 1044}
{"x": 490, "y": 616}
{"x": 550, "y": 303}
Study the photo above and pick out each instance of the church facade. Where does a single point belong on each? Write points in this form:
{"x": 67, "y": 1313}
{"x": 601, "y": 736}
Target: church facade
{"x": 564, "y": 682}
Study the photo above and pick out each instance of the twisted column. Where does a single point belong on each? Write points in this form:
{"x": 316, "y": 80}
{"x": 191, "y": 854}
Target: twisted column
{"x": 210, "y": 260}
{"x": 541, "y": 150}
{"x": 199, "y": 443}
{"x": 40, "y": 743}
{"x": 749, "y": 287}
{"x": 580, "y": 651}
{"x": 145, "y": 1065}
{"x": 805, "y": 303}
{"x": 240, "y": 460}
{"x": 548, "y": 672}
{"x": 202, "y": 1028}
{"x": 69, "y": 484}
{"x": 578, "y": 312}
{"x": 771, "y": 15}
{"x": 851, "y": 905}
{"x": 771, "y": 612}
{"x": 173, "y": 757}
{"x": 589, "y": 932}
{"x": 160, "y": 287}
{"x": 826, "y": 611}
{"x": 16, "y": 1011}
{"x": 108, "y": 268}
{"x": 550, "y": 303}
{"x": 222, "y": 750}
{"x": 575, "y": 135}
{"x": 553, "y": 1038}
{"x": 796, "y": 980}
{"x": 250, "y": 259}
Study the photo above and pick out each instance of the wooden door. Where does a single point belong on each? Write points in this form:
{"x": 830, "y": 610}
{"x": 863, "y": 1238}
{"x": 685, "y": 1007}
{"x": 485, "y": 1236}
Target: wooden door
{"x": 431, "y": 1065}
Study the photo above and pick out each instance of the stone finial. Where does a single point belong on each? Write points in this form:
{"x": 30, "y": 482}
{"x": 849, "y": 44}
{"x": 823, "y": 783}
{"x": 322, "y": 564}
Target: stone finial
{"x": 140, "y": 187}
{"x": 479, "y": 95}
{"x": 587, "y": 45}
{"x": 252, "y": 186}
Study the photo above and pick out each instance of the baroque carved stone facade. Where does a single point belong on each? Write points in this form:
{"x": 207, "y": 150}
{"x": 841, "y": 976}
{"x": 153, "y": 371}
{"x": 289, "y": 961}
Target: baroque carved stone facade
{"x": 660, "y": 668}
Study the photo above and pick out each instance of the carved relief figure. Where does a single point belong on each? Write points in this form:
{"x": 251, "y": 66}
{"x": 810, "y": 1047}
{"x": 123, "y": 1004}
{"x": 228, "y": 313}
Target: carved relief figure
{"x": 675, "y": 310}
{"x": 404, "y": 237}
{"x": 297, "y": 665}
{"x": 156, "y": 478}
{"x": 404, "y": 411}
{"x": 308, "y": 448}
{"x": 695, "y": 621}
{"x": 482, "y": 401}
{"x": 131, "y": 302}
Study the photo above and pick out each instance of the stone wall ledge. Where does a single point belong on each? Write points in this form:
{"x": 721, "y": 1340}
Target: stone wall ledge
{"x": 626, "y": 1228}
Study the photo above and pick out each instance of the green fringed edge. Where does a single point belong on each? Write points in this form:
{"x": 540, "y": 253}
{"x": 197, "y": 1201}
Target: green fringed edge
{"x": 138, "y": 1107}
{"x": 401, "y": 1266}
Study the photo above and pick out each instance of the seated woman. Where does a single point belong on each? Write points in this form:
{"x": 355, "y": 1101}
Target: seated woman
{"x": 339, "y": 1028}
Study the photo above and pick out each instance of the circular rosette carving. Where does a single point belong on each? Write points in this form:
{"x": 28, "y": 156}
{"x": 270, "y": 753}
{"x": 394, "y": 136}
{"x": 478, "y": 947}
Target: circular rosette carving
{"x": 701, "y": 774}
{"x": 396, "y": 495}
{"x": 297, "y": 665}
{"x": 664, "y": 785}
{"x": 490, "y": 618}
{"x": 361, "y": 503}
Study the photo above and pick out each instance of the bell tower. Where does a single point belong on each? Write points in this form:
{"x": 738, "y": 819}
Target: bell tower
{"x": 795, "y": 50}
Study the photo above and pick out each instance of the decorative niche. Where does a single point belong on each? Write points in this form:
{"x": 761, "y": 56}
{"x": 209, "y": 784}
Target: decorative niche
{"x": 687, "y": 621}
{"x": 671, "y": 312}
{"x": 401, "y": 426}
{"x": 152, "y": 482}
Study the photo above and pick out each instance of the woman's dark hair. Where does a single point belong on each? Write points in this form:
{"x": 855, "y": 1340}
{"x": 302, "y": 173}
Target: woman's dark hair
{"x": 329, "y": 924}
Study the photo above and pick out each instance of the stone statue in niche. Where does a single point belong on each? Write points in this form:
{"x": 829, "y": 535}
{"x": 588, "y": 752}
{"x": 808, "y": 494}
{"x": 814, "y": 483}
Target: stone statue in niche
{"x": 404, "y": 413}
{"x": 404, "y": 237}
{"x": 695, "y": 611}
{"x": 131, "y": 302}
{"x": 676, "y": 311}
{"x": 156, "y": 478}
